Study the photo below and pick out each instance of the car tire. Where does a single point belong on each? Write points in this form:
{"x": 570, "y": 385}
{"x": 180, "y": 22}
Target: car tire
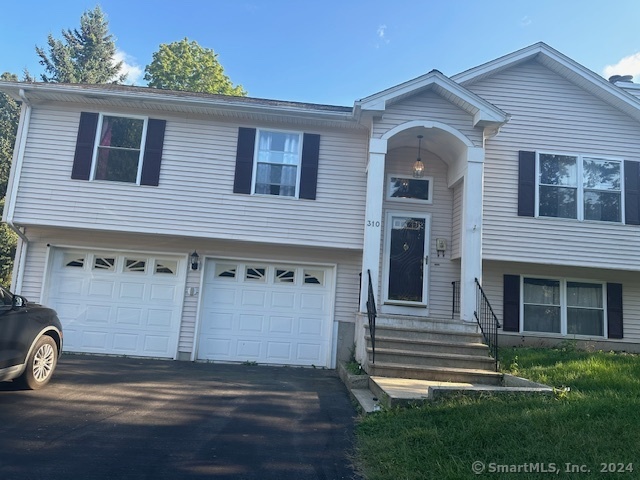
{"x": 41, "y": 363}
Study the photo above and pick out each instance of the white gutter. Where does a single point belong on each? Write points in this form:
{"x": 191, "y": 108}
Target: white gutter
{"x": 12, "y": 192}
{"x": 250, "y": 105}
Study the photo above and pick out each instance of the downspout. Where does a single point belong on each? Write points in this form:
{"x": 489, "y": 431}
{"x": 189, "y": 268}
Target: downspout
{"x": 10, "y": 207}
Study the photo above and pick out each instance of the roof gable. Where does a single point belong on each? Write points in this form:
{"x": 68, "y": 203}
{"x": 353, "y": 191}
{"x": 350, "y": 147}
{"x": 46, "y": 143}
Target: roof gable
{"x": 563, "y": 66}
{"x": 483, "y": 112}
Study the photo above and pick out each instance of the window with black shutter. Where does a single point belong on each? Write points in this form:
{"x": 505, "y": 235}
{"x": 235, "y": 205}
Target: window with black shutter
{"x": 115, "y": 148}
{"x": 271, "y": 162}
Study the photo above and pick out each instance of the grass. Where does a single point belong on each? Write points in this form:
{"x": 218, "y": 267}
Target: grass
{"x": 594, "y": 426}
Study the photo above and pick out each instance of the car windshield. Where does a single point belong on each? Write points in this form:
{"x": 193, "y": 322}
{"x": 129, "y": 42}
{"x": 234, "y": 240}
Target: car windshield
{"x": 5, "y": 297}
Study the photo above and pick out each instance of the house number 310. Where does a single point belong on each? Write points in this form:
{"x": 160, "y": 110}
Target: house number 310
{"x": 373, "y": 223}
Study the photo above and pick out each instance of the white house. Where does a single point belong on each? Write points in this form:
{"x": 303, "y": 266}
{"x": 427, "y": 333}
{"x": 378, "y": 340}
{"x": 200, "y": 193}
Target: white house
{"x": 531, "y": 186}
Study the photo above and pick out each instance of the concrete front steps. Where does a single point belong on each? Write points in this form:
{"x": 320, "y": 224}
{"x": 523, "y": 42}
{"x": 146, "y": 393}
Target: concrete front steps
{"x": 441, "y": 351}
{"x": 421, "y": 359}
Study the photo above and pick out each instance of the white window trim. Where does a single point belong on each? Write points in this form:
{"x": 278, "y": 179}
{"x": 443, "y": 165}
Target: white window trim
{"x": 408, "y": 200}
{"x": 563, "y": 307}
{"x": 256, "y": 153}
{"x": 580, "y": 185}
{"x": 96, "y": 141}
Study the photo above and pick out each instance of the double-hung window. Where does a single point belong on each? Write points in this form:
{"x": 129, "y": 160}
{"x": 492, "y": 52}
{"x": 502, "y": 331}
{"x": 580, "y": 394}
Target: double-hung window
{"x": 580, "y": 187}
{"x": 277, "y": 165}
{"x": 561, "y": 306}
{"x": 119, "y": 148}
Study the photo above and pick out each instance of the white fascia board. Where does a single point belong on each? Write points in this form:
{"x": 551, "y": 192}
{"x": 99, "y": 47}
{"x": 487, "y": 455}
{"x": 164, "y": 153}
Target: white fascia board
{"x": 555, "y": 58}
{"x": 484, "y": 112}
{"x": 499, "y": 63}
{"x": 150, "y": 100}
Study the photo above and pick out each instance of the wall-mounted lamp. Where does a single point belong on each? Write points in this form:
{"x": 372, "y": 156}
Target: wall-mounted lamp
{"x": 195, "y": 260}
{"x": 418, "y": 167}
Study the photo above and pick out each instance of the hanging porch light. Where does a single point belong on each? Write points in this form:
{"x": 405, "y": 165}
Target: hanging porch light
{"x": 418, "y": 167}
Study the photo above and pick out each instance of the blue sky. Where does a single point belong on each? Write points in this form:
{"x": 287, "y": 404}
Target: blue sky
{"x": 337, "y": 51}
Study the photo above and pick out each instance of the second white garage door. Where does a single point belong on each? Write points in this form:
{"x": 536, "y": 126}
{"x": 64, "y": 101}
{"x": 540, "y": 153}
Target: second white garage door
{"x": 266, "y": 313}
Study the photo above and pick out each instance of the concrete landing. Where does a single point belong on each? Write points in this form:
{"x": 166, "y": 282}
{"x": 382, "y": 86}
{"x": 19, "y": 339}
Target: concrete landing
{"x": 393, "y": 392}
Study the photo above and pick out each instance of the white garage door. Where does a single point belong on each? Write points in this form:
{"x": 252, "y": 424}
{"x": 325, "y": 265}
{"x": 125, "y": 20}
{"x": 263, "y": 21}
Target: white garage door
{"x": 266, "y": 313}
{"x": 117, "y": 303}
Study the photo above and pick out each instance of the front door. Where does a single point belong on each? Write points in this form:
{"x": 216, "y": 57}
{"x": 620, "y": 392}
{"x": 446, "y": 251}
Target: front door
{"x": 407, "y": 258}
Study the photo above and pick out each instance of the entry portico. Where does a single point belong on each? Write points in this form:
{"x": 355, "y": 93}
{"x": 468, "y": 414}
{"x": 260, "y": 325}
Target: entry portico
{"x": 453, "y": 124}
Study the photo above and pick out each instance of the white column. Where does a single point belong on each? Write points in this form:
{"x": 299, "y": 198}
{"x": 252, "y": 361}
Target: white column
{"x": 373, "y": 219}
{"x": 471, "y": 238}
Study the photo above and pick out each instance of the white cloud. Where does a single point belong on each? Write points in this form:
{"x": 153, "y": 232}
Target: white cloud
{"x": 381, "y": 32}
{"x": 627, "y": 66}
{"x": 130, "y": 67}
{"x": 526, "y": 21}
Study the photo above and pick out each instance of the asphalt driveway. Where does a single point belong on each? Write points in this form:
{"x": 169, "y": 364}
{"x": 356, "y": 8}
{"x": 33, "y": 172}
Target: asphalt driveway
{"x": 122, "y": 418}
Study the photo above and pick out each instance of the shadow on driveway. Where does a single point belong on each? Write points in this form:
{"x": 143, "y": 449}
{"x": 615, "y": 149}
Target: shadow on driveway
{"x": 124, "y": 418}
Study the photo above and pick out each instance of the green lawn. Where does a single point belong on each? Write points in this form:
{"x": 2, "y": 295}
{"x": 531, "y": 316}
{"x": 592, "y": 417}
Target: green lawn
{"x": 595, "y": 427}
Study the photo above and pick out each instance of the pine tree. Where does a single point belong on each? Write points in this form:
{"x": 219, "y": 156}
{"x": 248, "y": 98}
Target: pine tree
{"x": 82, "y": 56}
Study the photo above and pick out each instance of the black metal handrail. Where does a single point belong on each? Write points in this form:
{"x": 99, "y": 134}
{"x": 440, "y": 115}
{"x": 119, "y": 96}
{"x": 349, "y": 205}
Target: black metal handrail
{"x": 487, "y": 321}
{"x": 455, "y": 303}
{"x": 371, "y": 313}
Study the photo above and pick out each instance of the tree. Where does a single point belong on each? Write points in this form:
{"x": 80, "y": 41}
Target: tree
{"x": 8, "y": 240}
{"x": 82, "y": 56}
{"x": 9, "y": 115}
{"x": 187, "y": 66}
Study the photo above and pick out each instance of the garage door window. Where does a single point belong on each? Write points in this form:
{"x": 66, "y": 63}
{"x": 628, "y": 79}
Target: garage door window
{"x": 256, "y": 274}
{"x": 285, "y": 275}
{"x": 135, "y": 265}
{"x": 73, "y": 260}
{"x": 226, "y": 270}
{"x": 313, "y": 277}
{"x": 166, "y": 267}
{"x": 104, "y": 263}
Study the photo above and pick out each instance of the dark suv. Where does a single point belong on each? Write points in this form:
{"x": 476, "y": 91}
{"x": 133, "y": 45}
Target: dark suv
{"x": 30, "y": 341}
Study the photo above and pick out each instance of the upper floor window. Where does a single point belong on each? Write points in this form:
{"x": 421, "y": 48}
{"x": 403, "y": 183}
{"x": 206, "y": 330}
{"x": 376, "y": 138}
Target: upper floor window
{"x": 580, "y": 187}
{"x": 119, "y": 147}
{"x": 283, "y": 164}
{"x": 277, "y": 164}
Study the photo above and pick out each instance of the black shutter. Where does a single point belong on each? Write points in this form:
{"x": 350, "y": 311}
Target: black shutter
{"x": 84, "y": 146}
{"x": 526, "y": 184}
{"x": 632, "y": 193}
{"x": 244, "y": 160}
{"x": 511, "y": 303}
{"x": 153, "y": 152}
{"x": 614, "y": 310}
{"x": 309, "y": 168}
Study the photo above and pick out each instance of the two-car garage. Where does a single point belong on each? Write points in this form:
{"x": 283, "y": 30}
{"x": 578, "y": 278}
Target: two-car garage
{"x": 131, "y": 303}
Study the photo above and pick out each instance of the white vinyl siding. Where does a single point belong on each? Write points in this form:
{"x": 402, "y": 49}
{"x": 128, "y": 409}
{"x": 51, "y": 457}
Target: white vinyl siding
{"x": 428, "y": 106}
{"x": 492, "y": 283}
{"x": 442, "y": 270}
{"x": 550, "y": 114}
{"x": 346, "y": 283}
{"x": 196, "y": 187}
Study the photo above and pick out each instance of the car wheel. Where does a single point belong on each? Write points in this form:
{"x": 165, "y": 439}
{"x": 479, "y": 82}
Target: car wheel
{"x": 41, "y": 363}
